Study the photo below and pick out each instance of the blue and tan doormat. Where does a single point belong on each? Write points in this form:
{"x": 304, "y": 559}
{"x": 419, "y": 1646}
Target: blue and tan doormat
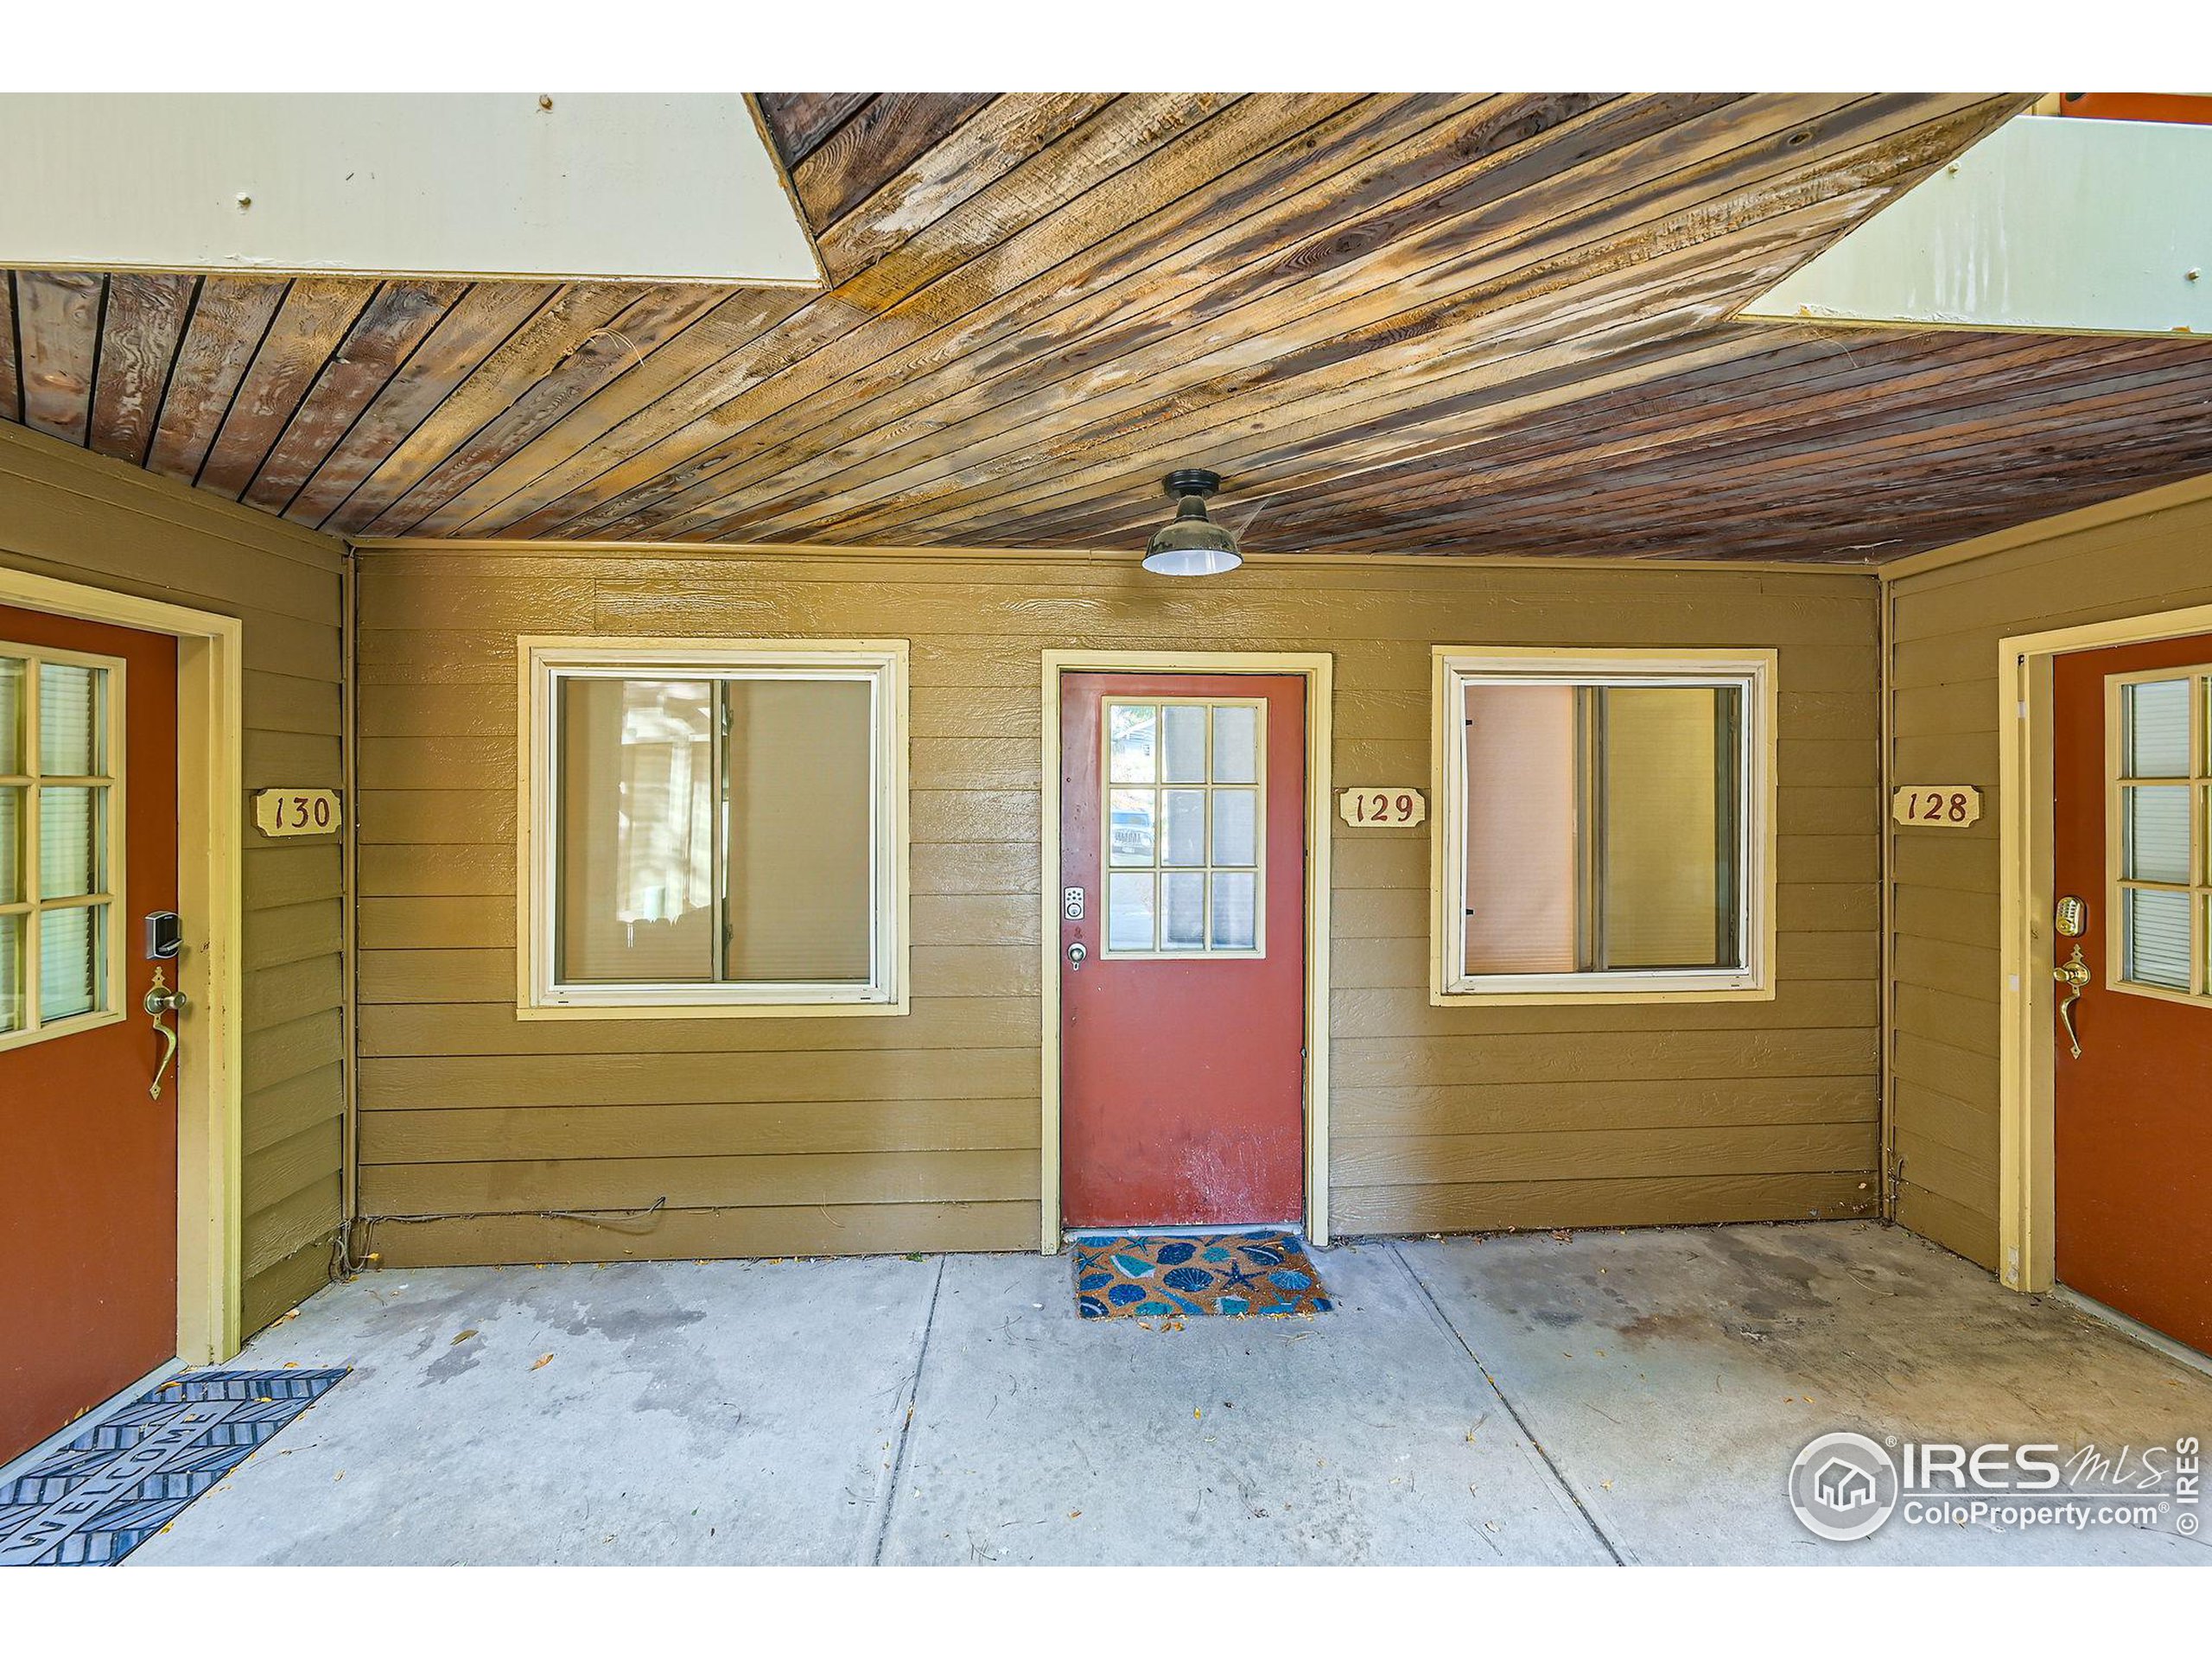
{"x": 1167, "y": 1276}
{"x": 97, "y": 1499}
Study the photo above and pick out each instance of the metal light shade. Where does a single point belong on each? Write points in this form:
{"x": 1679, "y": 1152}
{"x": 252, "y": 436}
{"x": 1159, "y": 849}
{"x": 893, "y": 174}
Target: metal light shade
{"x": 1190, "y": 544}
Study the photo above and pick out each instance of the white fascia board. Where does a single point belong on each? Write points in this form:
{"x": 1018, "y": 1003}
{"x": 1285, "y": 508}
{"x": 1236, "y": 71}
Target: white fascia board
{"x": 674, "y": 188}
{"x": 2051, "y": 225}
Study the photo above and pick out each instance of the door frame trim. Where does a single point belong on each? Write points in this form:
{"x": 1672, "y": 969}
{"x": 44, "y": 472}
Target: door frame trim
{"x": 210, "y": 789}
{"x": 2026, "y": 1169}
{"x": 1318, "y": 669}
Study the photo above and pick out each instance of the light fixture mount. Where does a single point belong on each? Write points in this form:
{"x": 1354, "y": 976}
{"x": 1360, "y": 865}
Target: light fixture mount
{"x": 1190, "y": 544}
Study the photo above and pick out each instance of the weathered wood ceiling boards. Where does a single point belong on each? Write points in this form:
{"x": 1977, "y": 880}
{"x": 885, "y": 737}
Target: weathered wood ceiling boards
{"x": 1439, "y": 324}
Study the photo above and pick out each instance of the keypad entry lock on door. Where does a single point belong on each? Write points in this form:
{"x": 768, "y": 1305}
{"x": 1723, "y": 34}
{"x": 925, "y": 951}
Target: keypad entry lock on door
{"x": 164, "y": 943}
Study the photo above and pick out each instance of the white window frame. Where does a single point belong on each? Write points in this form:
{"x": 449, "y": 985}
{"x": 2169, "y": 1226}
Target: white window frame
{"x": 114, "y": 849}
{"x": 546, "y": 661}
{"x": 1454, "y": 667}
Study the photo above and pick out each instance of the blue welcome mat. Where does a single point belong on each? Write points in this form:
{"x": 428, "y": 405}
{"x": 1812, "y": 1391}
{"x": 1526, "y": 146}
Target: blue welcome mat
{"x": 107, "y": 1492}
{"x": 1266, "y": 1272}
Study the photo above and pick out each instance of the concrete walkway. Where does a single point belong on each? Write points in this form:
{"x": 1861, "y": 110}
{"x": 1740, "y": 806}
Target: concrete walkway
{"x": 1613, "y": 1396}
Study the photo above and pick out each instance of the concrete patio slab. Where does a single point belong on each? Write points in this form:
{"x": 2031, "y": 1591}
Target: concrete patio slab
{"x": 1631, "y": 1396}
{"x": 1358, "y": 1436}
{"x": 1673, "y": 1374}
{"x": 726, "y": 1412}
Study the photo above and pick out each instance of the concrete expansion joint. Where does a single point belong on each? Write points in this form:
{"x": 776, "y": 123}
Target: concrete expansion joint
{"x": 879, "y": 1531}
{"x": 1558, "y": 1475}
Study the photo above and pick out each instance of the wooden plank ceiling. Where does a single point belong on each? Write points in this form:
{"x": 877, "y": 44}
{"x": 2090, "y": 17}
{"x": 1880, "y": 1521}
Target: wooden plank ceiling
{"x": 1412, "y": 324}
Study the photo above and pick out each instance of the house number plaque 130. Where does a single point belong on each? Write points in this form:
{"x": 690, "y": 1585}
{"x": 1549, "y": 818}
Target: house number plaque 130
{"x": 296, "y": 811}
{"x": 1379, "y": 806}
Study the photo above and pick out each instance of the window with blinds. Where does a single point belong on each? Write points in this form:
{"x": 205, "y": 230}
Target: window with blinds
{"x": 2156, "y": 830}
{"x": 60, "y": 833}
{"x": 1605, "y": 820}
{"x": 719, "y": 829}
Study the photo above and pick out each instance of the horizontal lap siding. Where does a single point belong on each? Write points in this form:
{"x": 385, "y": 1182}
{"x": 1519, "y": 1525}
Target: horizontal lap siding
{"x": 67, "y": 514}
{"x": 783, "y": 1136}
{"x": 1946, "y": 624}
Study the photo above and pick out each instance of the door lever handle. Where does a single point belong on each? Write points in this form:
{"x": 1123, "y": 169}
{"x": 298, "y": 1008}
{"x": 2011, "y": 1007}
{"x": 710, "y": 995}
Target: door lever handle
{"x": 161, "y": 1003}
{"x": 2073, "y": 974}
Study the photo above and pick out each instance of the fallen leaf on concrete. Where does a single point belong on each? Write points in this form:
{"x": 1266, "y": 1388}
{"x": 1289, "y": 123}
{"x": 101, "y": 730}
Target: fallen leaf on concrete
{"x": 541, "y": 1361}
{"x": 462, "y": 1337}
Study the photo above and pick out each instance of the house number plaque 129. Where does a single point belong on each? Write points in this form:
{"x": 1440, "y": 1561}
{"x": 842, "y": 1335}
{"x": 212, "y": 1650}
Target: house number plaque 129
{"x": 296, "y": 811}
{"x": 1379, "y": 806}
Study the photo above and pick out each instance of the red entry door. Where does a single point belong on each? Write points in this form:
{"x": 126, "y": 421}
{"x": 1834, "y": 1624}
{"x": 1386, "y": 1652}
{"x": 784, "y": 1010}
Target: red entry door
{"x": 2132, "y": 1135}
{"x": 1182, "y": 950}
{"x": 88, "y": 1170}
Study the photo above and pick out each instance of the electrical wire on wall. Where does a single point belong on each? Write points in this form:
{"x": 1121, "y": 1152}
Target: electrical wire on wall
{"x": 352, "y": 1265}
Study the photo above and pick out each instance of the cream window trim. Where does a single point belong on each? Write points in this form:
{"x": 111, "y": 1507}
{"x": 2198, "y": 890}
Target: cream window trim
{"x": 544, "y": 661}
{"x": 28, "y": 907}
{"x": 2196, "y": 779}
{"x": 1453, "y": 668}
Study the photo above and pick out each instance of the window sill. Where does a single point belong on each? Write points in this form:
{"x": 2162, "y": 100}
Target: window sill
{"x": 706, "y": 1010}
{"x": 1605, "y": 994}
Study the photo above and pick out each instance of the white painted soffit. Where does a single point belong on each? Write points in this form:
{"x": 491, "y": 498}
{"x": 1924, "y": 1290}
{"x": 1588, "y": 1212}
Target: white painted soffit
{"x": 2051, "y": 225}
{"x": 679, "y": 187}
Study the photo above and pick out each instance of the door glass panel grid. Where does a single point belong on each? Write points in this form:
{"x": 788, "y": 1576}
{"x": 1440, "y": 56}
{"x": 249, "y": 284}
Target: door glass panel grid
{"x": 60, "y": 834}
{"x": 1183, "y": 842}
{"x": 2159, "y": 777}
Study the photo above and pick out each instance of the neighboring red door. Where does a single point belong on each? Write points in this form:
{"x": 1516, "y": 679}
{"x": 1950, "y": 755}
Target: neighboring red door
{"x": 1183, "y": 979}
{"x": 2133, "y": 1146}
{"x": 88, "y": 1160}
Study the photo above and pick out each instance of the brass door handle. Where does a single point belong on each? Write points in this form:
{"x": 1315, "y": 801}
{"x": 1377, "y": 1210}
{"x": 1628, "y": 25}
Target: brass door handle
{"x": 2073, "y": 974}
{"x": 161, "y": 1003}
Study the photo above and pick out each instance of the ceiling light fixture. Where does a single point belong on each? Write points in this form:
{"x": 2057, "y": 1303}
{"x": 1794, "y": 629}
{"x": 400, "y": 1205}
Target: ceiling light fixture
{"x": 1190, "y": 544}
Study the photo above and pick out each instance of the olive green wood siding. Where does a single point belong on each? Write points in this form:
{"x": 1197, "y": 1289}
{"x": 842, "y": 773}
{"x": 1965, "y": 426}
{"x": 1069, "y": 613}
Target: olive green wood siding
{"x": 1946, "y": 623}
{"x": 809, "y": 1135}
{"x": 77, "y": 516}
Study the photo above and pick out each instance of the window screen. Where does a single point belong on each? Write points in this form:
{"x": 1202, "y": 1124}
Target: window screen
{"x": 1599, "y": 827}
{"x": 719, "y": 832}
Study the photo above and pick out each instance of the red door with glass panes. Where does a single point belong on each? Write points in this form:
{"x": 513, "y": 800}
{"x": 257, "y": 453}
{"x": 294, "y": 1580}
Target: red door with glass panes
{"x": 2132, "y": 1129}
{"x": 88, "y": 1155}
{"x": 1182, "y": 950}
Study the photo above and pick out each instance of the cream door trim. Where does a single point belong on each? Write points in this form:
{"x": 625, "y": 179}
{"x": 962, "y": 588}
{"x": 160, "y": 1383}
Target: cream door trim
{"x": 210, "y": 806}
{"x": 2026, "y": 1071}
{"x": 1318, "y": 669}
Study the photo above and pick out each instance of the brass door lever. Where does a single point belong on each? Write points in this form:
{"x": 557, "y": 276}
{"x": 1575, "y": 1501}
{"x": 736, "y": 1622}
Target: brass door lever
{"x": 161, "y": 1003}
{"x": 2073, "y": 974}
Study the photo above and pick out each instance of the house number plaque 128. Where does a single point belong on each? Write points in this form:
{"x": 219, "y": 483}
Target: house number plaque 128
{"x": 1939, "y": 807}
